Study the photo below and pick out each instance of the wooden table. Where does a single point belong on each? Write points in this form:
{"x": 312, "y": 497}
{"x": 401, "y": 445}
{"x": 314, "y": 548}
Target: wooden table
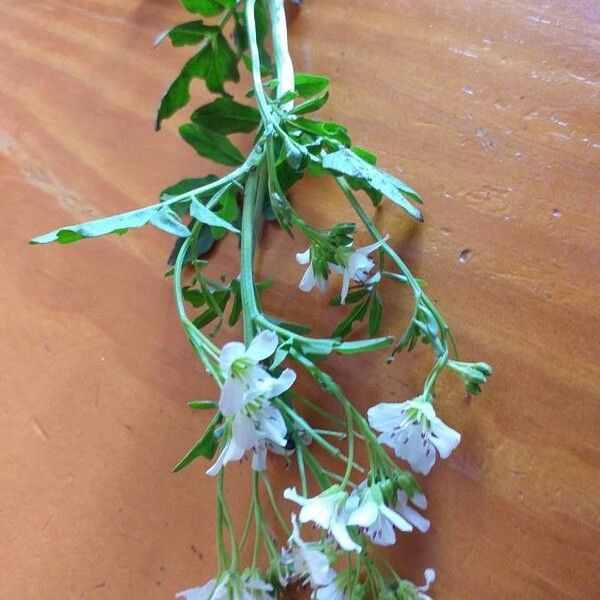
{"x": 489, "y": 108}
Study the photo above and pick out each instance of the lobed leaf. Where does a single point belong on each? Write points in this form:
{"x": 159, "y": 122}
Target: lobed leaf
{"x": 347, "y": 162}
{"x": 162, "y": 217}
{"x": 206, "y": 446}
{"x": 216, "y": 63}
{"x": 187, "y": 34}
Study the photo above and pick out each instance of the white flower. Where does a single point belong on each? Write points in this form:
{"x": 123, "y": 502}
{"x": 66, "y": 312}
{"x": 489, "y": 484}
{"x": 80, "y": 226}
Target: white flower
{"x": 309, "y": 564}
{"x": 309, "y": 279}
{"x": 256, "y": 589}
{"x": 252, "y": 429}
{"x": 414, "y": 431}
{"x": 378, "y": 520}
{"x": 333, "y": 591}
{"x": 230, "y": 588}
{"x": 327, "y": 510}
{"x": 210, "y": 591}
{"x": 358, "y": 268}
{"x": 429, "y": 575}
{"x": 245, "y": 379}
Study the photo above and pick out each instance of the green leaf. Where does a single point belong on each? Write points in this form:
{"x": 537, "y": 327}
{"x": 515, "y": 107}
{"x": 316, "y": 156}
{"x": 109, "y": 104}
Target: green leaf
{"x": 227, "y": 211}
{"x": 216, "y": 63}
{"x": 207, "y": 216}
{"x": 346, "y": 162}
{"x": 207, "y": 8}
{"x": 328, "y": 130}
{"x": 226, "y": 116}
{"x": 168, "y": 220}
{"x": 292, "y": 327}
{"x": 187, "y": 34}
{"x": 308, "y": 85}
{"x": 211, "y": 145}
{"x": 351, "y": 298}
{"x": 202, "y": 404}
{"x": 375, "y": 313}
{"x": 356, "y": 314}
{"x": 312, "y": 105}
{"x": 162, "y": 217}
{"x": 206, "y": 446}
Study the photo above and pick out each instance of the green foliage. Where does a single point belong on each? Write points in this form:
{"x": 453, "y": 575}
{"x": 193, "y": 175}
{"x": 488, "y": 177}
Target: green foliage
{"x": 206, "y": 446}
{"x": 226, "y": 116}
{"x": 308, "y": 85}
{"x": 347, "y": 162}
{"x": 215, "y": 63}
{"x": 200, "y": 211}
{"x": 211, "y": 145}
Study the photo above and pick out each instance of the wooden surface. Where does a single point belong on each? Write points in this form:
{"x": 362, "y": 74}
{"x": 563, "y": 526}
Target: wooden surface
{"x": 489, "y": 108}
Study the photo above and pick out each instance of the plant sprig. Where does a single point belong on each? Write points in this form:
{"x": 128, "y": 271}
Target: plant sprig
{"x": 257, "y": 412}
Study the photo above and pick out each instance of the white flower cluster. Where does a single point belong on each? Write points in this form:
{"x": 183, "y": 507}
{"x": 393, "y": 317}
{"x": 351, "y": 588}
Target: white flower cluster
{"x": 246, "y": 401}
{"x": 373, "y": 509}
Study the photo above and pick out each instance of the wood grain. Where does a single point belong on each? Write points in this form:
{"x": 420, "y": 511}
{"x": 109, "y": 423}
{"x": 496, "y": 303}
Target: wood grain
{"x": 489, "y": 108}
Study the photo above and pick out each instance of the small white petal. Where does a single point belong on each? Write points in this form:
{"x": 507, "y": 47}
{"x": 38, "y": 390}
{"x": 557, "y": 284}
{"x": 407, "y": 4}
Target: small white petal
{"x": 382, "y": 532}
{"x": 396, "y": 520}
{"x": 444, "y": 438}
{"x": 230, "y": 353}
{"x": 272, "y": 425}
{"x": 308, "y": 281}
{"x": 292, "y": 494}
{"x": 209, "y": 590}
{"x": 283, "y": 383}
{"x": 232, "y": 397}
{"x": 419, "y": 500}
{"x": 303, "y": 258}
{"x": 243, "y": 432}
{"x": 340, "y": 533}
{"x": 319, "y": 510}
{"x": 365, "y": 514}
{"x": 262, "y": 346}
{"x": 385, "y": 416}
{"x": 371, "y": 247}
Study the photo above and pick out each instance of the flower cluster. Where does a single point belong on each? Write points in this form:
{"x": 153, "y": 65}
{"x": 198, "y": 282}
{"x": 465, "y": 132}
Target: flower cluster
{"x": 348, "y": 516}
{"x": 252, "y": 421}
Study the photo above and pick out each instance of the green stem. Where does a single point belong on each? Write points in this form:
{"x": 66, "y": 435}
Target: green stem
{"x": 283, "y": 61}
{"x": 274, "y": 504}
{"x": 261, "y": 100}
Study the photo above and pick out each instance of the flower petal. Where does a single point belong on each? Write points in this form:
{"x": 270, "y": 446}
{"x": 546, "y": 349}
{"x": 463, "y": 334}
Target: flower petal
{"x": 365, "y": 514}
{"x": 232, "y": 397}
{"x": 444, "y": 438}
{"x": 396, "y": 520}
{"x": 283, "y": 383}
{"x": 272, "y": 425}
{"x": 229, "y": 353}
{"x": 262, "y": 346}
{"x": 345, "y": 286}
{"x": 243, "y": 432}
{"x": 372, "y": 247}
{"x": 308, "y": 281}
{"x": 199, "y": 593}
{"x": 386, "y": 416}
{"x": 292, "y": 495}
{"x": 303, "y": 258}
{"x": 340, "y": 533}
